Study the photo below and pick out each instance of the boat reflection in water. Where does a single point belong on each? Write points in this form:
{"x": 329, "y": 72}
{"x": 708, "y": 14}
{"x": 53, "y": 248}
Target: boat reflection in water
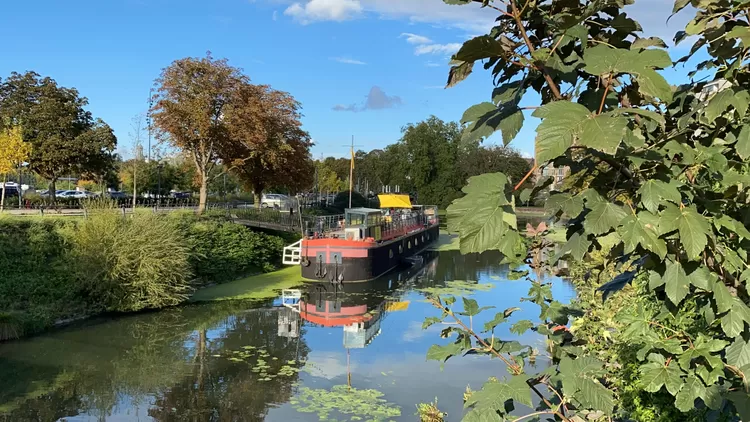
{"x": 359, "y": 308}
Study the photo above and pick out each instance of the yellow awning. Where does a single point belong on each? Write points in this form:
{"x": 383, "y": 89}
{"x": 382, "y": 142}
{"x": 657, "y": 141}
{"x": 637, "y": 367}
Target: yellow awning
{"x": 394, "y": 201}
{"x": 396, "y": 306}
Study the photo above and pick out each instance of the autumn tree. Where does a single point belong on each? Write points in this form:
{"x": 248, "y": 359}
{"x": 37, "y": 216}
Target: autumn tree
{"x": 270, "y": 149}
{"x": 65, "y": 138}
{"x": 190, "y": 104}
{"x": 13, "y": 152}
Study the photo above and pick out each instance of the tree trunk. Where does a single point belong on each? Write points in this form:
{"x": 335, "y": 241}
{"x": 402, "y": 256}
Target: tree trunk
{"x": 51, "y": 192}
{"x": 2, "y": 195}
{"x": 256, "y": 199}
{"x": 135, "y": 178}
{"x": 203, "y": 193}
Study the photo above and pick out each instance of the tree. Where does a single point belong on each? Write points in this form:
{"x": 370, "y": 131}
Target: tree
{"x": 664, "y": 201}
{"x": 271, "y": 149}
{"x": 189, "y": 111}
{"x": 13, "y": 152}
{"x": 327, "y": 179}
{"x": 136, "y": 126}
{"x": 65, "y": 138}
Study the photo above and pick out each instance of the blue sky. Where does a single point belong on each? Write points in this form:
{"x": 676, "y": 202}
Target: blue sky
{"x": 360, "y": 67}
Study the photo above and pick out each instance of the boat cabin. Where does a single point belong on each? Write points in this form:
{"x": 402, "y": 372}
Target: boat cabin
{"x": 363, "y": 223}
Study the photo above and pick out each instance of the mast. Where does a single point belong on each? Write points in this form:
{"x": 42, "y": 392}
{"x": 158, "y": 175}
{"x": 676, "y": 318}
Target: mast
{"x": 351, "y": 174}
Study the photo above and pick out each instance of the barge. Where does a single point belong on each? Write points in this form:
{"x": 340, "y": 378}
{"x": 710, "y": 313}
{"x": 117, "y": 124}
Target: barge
{"x": 364, "y": 243}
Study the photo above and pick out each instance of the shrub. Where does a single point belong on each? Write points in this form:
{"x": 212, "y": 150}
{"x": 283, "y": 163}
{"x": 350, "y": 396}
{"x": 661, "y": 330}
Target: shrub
{"x": 35, "y": 288}
{"x": 222, "y": 250}
{"x": 130, "y": 264}
{"x": 341, "y": 201}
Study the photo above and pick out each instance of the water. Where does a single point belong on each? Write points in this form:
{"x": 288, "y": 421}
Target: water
{"x": 201, "y": 363}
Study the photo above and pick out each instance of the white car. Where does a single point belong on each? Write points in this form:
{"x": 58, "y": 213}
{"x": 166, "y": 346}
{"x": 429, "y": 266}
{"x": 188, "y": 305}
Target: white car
{"x": 276, "y": 200}
{"x": 75, "y": 194}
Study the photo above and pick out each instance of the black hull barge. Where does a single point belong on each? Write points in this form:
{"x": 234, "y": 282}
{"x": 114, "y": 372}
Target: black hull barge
{"x": 366, "y": 243}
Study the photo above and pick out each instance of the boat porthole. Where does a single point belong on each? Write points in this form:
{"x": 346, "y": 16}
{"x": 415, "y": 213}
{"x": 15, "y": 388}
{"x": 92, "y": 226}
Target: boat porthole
{"x": 400, "y": 248}
{"x": 416, "y": 241}
{"x": 390, "y": 253}
{"x": 428, "y": 236}
{"x": 408, "y": 245}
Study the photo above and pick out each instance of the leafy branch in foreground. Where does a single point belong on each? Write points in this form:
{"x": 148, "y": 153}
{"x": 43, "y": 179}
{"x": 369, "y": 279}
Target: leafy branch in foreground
{"x": 659, "y": 187}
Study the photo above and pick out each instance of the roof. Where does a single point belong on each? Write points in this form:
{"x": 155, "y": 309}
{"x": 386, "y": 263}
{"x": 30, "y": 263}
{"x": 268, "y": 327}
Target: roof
{"x": 364, "y": 210}
{"x": 394, "y": 201}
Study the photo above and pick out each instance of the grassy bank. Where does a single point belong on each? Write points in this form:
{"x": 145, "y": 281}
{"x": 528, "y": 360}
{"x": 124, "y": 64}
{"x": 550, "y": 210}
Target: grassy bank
{"x": 56, "y": 270}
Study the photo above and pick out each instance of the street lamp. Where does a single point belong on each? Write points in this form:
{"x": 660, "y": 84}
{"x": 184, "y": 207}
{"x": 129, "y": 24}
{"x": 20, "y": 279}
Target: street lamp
{"x": 225, "y": 188}
{"x": 158, "y": 193}
{"x": 20, "y": 183}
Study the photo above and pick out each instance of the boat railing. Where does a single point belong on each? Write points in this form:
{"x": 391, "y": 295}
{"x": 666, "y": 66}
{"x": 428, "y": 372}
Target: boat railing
{"x": 387, "y": 227}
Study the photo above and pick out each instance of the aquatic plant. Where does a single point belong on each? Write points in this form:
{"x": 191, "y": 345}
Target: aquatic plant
{"x": 260, "y": 360}
{"x": 364, "y": 405}
{"x": 458, "y": 288}
{"x": 9, "y": 328}
{"x": 429, "y": 412}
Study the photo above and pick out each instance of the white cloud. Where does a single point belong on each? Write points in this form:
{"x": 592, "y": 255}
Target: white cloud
{"x": 437, "y": 49}
{"x": 324, "y": 10}
{"x": 346, "y": 60}
{"x": 415, "y": 39}
{"x": 433, "y": 64}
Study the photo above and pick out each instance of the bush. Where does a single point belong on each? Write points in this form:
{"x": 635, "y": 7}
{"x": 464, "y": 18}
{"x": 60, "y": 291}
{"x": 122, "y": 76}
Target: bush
{"x": 341, "y": 201}
{"x": 35, "y": 282}
{"x": 130, "y": 264}
{"x": 222, "y": 250}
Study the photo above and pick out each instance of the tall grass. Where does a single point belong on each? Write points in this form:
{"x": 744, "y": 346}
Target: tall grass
{"x": 131, "y": 263}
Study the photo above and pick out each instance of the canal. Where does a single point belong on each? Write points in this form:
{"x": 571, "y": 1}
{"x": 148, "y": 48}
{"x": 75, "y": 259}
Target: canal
{"x": 253, "y": 361}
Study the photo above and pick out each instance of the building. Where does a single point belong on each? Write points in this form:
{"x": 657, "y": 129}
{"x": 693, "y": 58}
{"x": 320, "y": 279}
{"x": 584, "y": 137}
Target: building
{"x": 712, "y": 88}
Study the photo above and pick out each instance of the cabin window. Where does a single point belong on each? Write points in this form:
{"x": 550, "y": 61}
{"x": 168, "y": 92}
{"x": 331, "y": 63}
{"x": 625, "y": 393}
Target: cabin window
{"x": 400, "y": 248}
{"x": 408, "y": 245}
{"x": 355, "y": 219}
{"x": 390, "y": 253}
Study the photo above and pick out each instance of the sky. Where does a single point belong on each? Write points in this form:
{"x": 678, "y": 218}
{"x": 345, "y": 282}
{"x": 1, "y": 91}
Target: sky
{"x": 362, "y": 68}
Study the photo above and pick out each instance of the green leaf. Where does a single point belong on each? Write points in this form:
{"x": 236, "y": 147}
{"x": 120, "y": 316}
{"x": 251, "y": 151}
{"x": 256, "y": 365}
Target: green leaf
{"x": 692, "y": 226}
{"x": 577, "y": 246}
{"x": 508, "y": 93}
{"x": 603, "y": 217}
{"x": 509, "y": 311}
{"x": 494, "y": 394}
{"x": 723, "y": 297}
{"x": 478, "y": 48}
{"x": 521, "y": 326}
{"x": 693, "y": 389}
{"x": 497, "y": 320}
{"x": 603, "y": 60}
{"x": 458, "y": 73}
{"x": 743, "y": 142}
{"x": 636, "y": 231}
{"x": 719, "y": 103}
{"x": 679, "y": 5}
{"x": 653, "y": 192}
{"x": 732, "y": 323}
{"x": 652, "y": 115}
{"x": 658, "y": 373}
{"x": 738, "y": 353}
{"x": 603, "y": 133}
{"x": 741, "y": 401}
{"x": 471, "y": 308}
{"x": 702, "y": 278}
{"x": 741, "y": 32}
{"x": 595, "y": 396}
{"x": 429, "y": 321}
{"x": 486, "y": 119}
{"x": 484, "y": 414}
{"x": 570, "y": 205}
{"x": 443, "y": 353}
{"x": 482, "y": 230}
{"x": 677, "y": 285}
{"x": 733, "y": 225}
{"x": 648, "y": 42}
{"x": 561, "y": 124}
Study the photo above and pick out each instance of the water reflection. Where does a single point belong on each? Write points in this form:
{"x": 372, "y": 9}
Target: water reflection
{"x": 176, "y": 365}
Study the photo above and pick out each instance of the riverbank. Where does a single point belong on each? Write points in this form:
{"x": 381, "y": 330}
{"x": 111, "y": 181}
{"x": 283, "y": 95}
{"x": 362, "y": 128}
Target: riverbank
{"x": 53, "y": 270}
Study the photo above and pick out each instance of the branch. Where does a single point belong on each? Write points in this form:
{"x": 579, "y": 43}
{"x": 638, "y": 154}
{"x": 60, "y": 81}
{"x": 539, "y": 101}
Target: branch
{"x": 604, "y": 97}
{"x": 517, "y": 17}
{"x": 533, "y": 414}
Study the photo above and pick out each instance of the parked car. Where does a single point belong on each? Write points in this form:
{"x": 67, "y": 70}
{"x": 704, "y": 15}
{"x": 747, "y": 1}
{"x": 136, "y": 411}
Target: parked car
{"x": 181, "y": 195}
{"x": 11, "y": 191}
{"x": 275, "y": 200}
{"x": 116, "y": 195}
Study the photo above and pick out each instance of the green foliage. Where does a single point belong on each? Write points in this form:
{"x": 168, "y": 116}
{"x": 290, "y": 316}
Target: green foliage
{"x": 130, "y": 264}
{"x": 341, "y": 201}
{"x": 658, "y": 197}
{"x": 222, "y": 250}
